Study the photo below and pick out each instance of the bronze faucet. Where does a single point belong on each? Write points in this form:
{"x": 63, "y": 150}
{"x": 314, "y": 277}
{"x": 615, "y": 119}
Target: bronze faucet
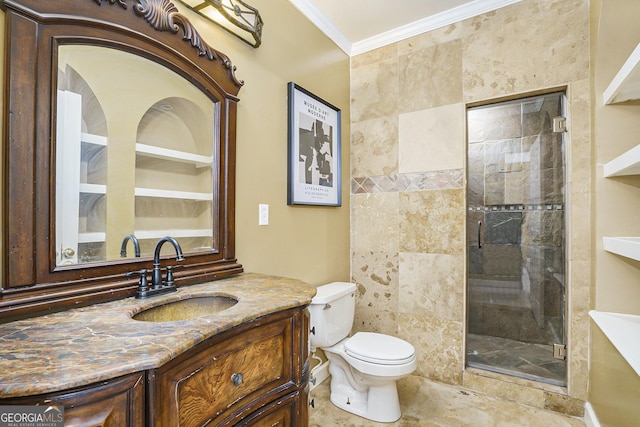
{"x": 158, "y": 286}
{"x": 136, "y": 246}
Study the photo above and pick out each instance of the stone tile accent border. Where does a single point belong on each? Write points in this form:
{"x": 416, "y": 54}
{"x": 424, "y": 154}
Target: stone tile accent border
{"x": 415, "y": 181}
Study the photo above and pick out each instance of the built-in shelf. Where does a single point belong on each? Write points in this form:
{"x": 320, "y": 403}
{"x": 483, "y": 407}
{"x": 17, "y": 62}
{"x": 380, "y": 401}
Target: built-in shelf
{"x": 171, "y": 194}
{"x": 174, "y": 155}
{"x": 626, "y": 84}
{"x": 626, "y": 246}
{"x": 623, "y": 330}
{"x": 625, "y": 164}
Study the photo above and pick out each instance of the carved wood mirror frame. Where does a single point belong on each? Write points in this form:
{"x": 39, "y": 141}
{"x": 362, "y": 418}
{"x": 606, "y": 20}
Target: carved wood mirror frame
{"x": 32, "y": 284}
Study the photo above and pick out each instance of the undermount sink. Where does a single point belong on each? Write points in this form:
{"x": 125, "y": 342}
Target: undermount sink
{"x": 186, "y": 309}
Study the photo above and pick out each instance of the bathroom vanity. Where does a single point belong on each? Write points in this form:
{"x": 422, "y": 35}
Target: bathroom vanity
{"x": 240, "y": 364}
{"x": 119, "y": 110}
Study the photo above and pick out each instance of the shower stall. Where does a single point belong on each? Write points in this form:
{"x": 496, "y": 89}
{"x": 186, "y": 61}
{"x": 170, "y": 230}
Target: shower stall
{"x": 516, "y": 238}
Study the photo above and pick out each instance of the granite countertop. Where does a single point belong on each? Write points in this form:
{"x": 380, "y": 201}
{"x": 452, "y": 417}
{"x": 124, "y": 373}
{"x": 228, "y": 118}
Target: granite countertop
{"x": 95, "y": 343}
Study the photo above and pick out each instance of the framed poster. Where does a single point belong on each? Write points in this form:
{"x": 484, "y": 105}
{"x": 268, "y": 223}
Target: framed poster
{"x": 314, "y": 166}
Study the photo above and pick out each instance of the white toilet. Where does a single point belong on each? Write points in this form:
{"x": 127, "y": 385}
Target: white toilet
{"x": 364, "y": 368}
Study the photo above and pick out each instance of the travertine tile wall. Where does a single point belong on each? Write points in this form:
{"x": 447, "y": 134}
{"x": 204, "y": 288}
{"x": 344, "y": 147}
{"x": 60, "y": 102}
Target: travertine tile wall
{"x": 408, "y": 153}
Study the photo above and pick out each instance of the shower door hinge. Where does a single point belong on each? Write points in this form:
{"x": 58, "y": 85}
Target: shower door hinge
{"x": 559, "y": 124}
{"x": 560, "y": 351}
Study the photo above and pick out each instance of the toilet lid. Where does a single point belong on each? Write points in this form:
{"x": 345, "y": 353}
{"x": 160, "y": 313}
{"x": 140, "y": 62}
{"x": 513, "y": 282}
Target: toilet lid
{"x": 379, "y": 348}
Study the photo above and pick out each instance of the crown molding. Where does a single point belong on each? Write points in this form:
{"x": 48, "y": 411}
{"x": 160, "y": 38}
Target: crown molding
{"x": 313, "y": 14}
{"x": 451, "y": 16}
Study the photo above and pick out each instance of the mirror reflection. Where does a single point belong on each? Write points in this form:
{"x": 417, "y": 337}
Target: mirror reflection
{"x": 134, "y": 157}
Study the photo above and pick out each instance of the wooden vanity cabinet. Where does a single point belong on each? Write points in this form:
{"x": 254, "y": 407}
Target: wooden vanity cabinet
{"x": 283, "y": 413}
{"x": 254, "y": 374}
{"x": 115, "y": 403}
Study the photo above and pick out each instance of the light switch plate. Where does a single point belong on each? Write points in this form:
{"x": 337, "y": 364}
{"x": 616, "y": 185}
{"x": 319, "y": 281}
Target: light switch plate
{"x": 263, "y": 214}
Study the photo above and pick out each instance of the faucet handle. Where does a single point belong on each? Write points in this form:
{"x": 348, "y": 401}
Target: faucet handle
{"x": 169, "y": 281}
{"x": 170, "y": 269}
{"x": 143, "y": 283}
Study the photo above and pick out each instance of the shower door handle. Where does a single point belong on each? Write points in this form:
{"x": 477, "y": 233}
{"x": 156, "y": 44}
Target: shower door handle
{"x": 479, "y": 234}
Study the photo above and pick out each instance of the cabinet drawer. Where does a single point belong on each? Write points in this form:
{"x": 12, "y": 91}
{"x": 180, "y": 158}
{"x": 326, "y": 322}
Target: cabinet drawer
{"x": 224, "y": 379}
{"x": 114, "y": 403}
{"x": 281, "y": 413}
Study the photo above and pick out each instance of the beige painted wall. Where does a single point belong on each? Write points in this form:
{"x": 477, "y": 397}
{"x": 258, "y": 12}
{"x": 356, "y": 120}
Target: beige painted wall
{"x": 304, "y": 242}
{"x": 614, "y": 390}
{"x": 408, "y": 156}
{"x": 614, "y": 385}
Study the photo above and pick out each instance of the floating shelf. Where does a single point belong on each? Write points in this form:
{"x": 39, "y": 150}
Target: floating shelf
{"x": 626, "y": 84}
{"x": 174, "y": 155}
{"x": 171, "y": 194}
{"x": 623, "y": 330}
{"x": 625, "y": 164}
{"x": 626, "y": 246}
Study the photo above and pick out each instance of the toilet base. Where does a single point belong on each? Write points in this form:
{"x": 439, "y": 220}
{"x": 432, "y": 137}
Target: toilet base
{"x": 363, "y": 388}
{"x": 379, "y": 403}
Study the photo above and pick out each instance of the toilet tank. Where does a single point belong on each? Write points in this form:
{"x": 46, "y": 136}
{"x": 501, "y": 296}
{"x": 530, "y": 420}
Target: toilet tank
{"x": 332, "y": 312}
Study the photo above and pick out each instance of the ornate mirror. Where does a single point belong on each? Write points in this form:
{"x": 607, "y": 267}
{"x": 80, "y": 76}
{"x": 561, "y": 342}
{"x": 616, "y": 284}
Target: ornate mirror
{"x": 119, "y": 130}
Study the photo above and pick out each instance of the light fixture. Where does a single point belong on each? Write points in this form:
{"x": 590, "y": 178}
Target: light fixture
{"x": 235, "y": 16}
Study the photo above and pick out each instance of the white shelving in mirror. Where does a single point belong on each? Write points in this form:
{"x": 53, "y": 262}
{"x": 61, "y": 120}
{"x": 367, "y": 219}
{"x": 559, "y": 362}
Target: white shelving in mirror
{"x": 92, "y": 237}
{"x": 93, "y": 188}
{"x": 172, "y": 194}
{"x": 200, "y": 162}
{"x": 80, "y": 183}
{"x": 176, "y": 233}
{"x": 93, "y": 139}
{"x": 174, "y": 155}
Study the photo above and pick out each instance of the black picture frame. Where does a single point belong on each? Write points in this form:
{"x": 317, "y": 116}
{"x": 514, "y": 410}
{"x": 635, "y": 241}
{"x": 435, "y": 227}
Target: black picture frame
{"x": 314, "y": 150}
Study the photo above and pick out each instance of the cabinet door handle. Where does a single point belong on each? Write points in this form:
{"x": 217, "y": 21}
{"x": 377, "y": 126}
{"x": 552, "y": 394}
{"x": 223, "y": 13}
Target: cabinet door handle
{"x": 479, "y": 235}
{"x": 236, "y": 379}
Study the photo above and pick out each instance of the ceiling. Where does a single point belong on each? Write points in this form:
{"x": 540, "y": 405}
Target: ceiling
{"x": 358, "y": 26}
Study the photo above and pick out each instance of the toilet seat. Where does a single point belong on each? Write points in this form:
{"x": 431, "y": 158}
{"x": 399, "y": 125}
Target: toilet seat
{"x": 379, "y": 349}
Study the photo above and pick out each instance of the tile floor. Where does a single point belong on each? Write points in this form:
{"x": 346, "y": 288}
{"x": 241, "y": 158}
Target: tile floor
{"x": 533, "y": 361}
{"x": 430, "y": 404}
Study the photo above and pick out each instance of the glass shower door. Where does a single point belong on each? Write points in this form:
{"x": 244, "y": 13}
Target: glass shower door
{"x": 516, "y": 238}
